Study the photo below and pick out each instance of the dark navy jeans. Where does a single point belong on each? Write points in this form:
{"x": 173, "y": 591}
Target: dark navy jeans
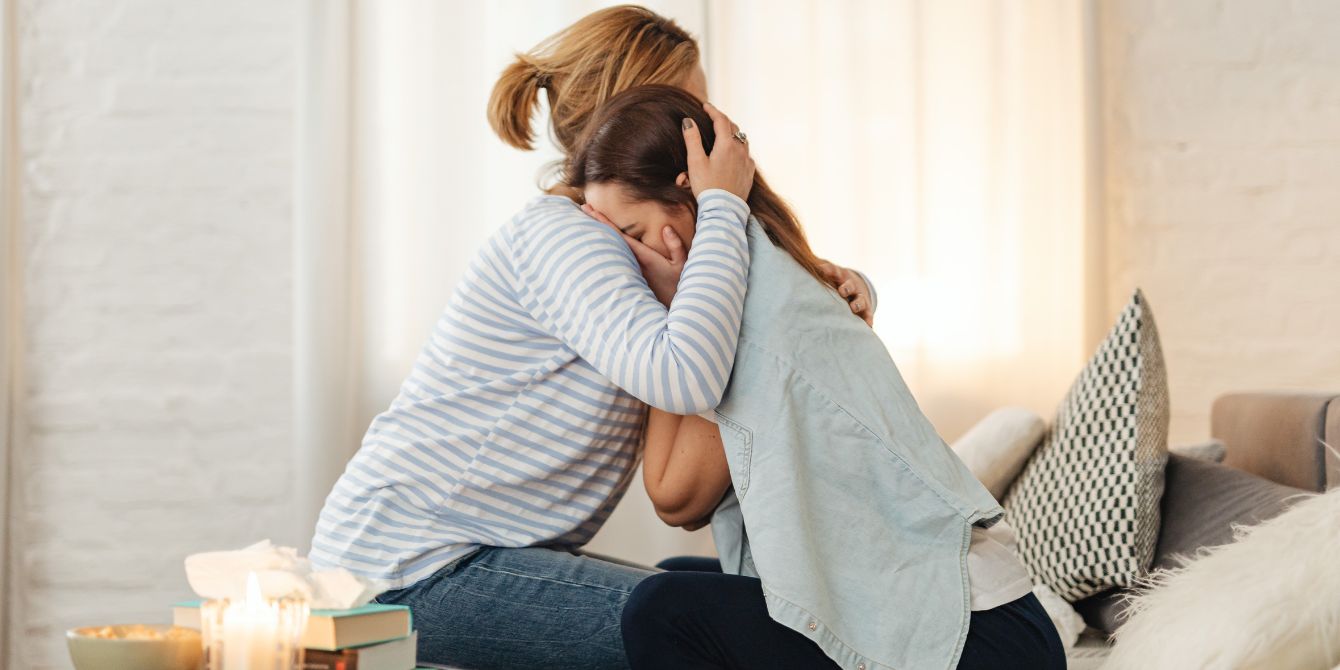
{"x": 694, "y": 617}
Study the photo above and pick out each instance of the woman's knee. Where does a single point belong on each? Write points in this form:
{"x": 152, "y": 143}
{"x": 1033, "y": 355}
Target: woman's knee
{"x": 690, "y": 564}
{"x": 648, "y": 601}
{"x": 643, "y": 624}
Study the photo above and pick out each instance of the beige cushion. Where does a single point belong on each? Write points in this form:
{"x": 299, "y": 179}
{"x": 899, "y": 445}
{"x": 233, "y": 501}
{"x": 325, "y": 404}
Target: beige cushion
{"x": 996, "y": 449}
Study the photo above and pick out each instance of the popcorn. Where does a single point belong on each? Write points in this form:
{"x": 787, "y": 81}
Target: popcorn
{"x": 138, "y": 631}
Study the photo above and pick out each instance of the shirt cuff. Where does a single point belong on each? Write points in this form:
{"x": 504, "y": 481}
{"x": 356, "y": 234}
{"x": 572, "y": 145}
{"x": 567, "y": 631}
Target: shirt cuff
{"x": 730, "y": 199}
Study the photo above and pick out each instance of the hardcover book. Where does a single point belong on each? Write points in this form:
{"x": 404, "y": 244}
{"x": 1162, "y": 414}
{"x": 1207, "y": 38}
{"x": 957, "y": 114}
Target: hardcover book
{"x": 331, "y": 630}
{"x": 393, "y": 655}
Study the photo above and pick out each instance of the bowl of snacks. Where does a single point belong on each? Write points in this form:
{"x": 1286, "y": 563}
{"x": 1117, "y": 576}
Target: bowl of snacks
{"x": 134, "y": 647}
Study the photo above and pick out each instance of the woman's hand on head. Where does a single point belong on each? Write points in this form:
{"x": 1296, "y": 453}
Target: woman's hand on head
{"x": 661, "y": 272}
{"x": 853, "y": 289}
{"x": 729, "y": 167}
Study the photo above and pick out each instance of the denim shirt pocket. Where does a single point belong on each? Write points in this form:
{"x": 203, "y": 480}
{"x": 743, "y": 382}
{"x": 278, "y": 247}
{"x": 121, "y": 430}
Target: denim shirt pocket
{"x": 742, "y": 446}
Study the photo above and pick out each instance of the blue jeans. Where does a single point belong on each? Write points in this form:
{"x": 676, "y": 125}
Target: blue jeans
{"x": 533, "y": 607}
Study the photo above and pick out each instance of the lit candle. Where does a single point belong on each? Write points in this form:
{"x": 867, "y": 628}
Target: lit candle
{"x": 254, "y": 633}
{"x": 250, "y": 631}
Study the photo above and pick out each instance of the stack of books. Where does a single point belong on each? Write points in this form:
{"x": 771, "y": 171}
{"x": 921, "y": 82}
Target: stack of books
{"x": 371, "y": 637}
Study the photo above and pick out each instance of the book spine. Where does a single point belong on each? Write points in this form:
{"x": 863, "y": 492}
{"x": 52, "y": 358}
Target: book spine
{"x": 315, "y": 659}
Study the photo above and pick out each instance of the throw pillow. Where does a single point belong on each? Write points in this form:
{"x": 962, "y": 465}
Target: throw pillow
{"x": 996, "y": 448}
{"x": 1086, "y": 506}
{"x": 1202, "y": 503}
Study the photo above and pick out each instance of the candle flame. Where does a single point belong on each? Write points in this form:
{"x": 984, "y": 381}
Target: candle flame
{"x": 254, "y": 597}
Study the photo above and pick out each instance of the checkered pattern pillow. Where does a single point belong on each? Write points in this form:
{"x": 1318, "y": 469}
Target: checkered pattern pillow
{"x": 1086, "y": 506}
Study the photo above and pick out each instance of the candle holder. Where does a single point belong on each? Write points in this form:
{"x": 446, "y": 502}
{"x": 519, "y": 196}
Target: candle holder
{"x": 255, "y": 633}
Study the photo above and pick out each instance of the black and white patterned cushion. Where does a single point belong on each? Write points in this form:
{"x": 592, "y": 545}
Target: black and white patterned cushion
{"x": 1086, "y": 506}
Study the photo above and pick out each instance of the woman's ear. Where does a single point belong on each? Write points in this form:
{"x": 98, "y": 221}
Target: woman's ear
{"x": 682, "y": 180}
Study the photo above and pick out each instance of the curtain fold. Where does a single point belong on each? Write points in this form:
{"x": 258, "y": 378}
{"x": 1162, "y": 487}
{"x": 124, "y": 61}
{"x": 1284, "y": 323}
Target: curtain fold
{"x": 941, "y": 147}
{"x": 326, "y": 371}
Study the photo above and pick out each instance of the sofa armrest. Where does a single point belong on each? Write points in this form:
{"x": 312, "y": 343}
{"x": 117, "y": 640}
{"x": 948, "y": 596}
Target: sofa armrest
{"x": 1278, "y": 436}
{"x": 1333, "y": 445}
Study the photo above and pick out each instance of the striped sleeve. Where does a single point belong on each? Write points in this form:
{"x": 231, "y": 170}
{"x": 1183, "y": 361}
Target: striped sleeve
{"x": 580, "y": 281}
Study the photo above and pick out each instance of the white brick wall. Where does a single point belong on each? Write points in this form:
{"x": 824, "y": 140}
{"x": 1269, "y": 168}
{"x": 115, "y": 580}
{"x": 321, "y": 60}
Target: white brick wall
{"x": 157, "y": 153}
{"x": 1223, "y": 158}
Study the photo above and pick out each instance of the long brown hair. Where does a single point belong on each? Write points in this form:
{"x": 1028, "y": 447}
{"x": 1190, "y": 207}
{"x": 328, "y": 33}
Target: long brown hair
{"x": 636, "y": 140}
{"x": 582, "y": 66}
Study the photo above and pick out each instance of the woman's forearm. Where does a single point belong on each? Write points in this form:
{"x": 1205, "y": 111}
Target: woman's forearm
{"x": 683, "y": 466}
{"x": 581, "y": 283}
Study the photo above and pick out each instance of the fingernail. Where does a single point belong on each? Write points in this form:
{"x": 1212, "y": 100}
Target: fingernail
{"x": 688, "y": 123}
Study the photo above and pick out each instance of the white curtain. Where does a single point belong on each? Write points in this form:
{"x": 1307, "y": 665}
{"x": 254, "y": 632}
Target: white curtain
{"x": 938, "y": 146}
{"x": 944, "y": 148}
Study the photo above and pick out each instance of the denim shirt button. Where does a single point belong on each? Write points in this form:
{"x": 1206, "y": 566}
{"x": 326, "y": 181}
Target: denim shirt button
{"x": 813, "y": 625}
{"x": 860, "y": 666}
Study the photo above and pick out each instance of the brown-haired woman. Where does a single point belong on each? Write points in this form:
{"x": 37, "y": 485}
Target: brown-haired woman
{"x": 518, "y": 430}
{"x": 635, "y": 174}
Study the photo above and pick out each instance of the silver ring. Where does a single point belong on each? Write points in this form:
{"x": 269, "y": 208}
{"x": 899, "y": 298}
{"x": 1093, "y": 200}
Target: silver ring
{"x": 739, "y": 135}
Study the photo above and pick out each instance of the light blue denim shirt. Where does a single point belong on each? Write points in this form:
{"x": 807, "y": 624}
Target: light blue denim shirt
{"x": 858, "y": 515}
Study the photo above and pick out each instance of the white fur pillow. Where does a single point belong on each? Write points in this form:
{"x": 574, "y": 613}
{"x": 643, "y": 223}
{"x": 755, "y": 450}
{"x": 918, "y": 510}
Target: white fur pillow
{"x": 996, "y": 449}
{"x": 1271, "y": 599}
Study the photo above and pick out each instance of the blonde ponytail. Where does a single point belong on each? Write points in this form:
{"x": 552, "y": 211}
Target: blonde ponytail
{"x": 513, "y": 101}
{"x": 604, "y": 53}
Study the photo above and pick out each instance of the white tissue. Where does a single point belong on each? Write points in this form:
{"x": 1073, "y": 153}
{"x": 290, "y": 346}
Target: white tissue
{"x": 281, "y": 572}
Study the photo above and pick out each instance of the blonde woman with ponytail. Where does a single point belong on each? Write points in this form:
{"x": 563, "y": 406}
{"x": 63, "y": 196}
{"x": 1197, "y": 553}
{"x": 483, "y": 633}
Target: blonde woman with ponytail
{"x": 606, "y": 52}
{"x": 518, "y": 429}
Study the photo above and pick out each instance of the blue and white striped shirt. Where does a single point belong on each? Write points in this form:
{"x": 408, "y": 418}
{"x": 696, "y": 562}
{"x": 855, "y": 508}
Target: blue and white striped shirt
{"x": 520, "y": 422}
